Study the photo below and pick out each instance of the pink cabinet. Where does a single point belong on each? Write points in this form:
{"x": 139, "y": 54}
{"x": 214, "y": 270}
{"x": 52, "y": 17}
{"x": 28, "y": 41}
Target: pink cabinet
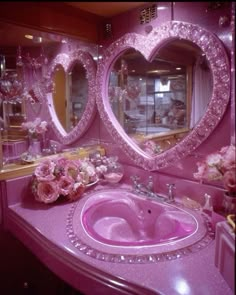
{"x": 225, "y": 252}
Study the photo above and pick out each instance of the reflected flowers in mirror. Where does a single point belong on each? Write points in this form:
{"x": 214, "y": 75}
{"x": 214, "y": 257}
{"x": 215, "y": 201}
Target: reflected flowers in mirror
{"x": 219, "y": 166}
{"x": 35, "y": 127}
{"x": 61, "y": 178}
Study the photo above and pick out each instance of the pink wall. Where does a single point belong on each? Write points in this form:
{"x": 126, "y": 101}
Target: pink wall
{"x": 196, "y": 13}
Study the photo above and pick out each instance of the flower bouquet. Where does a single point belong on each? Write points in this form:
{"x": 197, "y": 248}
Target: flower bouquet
{"x": 35, "y": 129}
{"x": 62, "y": 178}
{"x": 220, "y": 166}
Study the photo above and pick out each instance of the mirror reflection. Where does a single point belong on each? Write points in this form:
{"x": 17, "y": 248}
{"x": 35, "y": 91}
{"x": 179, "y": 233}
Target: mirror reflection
{"x": 28, "y": 57}
{"x": 78, "y": 85}
{"x": 59, "y": 94}
{"x": 162, "y": 100}
{"x": 70, "y": 94}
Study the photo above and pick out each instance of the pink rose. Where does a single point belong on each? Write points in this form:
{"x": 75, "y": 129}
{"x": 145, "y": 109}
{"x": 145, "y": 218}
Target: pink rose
{"x": 71, "y": 169}
{"x": 44, "y": 171}
{"x": 77, "y": 192}
{"x": 47, "y": 192}
{"x": 61, "y": 161}
{"x": 201, "y": 173}
{"x": 229, "y": 158}
{"x": 212, "y": 173}
{"x": 88, "y": 169}
{"x": 229, "y": 180}
{"x": 214, "y": 159}
{"x": 206, "y": 172}
{"x": 41, "y": 128}
{"x": 65, "y": 185}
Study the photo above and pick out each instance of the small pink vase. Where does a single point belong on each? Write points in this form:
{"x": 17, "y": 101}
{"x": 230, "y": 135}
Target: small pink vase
{"x": 34, "y": 147}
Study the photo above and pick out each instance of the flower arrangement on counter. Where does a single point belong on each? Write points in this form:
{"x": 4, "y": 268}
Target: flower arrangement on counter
{"x": 35, "y": 127}
{"x": 220, "y": 166}
{"x": 62, "y": 178}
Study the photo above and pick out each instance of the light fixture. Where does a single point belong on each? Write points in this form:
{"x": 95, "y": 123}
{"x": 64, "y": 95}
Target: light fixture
{"x": 37, "y": 39}
{"x": 158, "y": 71}
{"x": 162, "y": 7}
{"x": 29, "y": 37}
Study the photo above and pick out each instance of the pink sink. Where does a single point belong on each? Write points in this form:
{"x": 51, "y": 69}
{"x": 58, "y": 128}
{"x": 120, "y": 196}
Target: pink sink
{"x": 116, "y": 225}
{"x": 125, "y": 219}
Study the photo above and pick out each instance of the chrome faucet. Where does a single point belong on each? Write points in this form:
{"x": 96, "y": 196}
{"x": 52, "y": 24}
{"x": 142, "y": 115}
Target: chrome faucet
{"x": 136, "y": 184}
{"x": 146, "y": 190}
{"x": 171, "y": 187}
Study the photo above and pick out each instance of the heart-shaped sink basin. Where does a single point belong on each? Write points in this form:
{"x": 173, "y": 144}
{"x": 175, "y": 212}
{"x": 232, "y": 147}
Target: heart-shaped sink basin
{"x": 118, "y": 225}
{"x": 125, "y": 219}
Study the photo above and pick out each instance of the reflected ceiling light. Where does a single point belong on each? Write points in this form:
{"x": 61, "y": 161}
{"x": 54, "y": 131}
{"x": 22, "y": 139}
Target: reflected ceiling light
{"x": 178, "y": 69}
{"x": 158, "y": 71}
{"x": 174, "y": 77}
{"x": 162, "y": 7}
{"x": 182, "y": 287}
{"x": 34, "y": 38}
{"x": 37, "y": 39}
{"x": 29, "y": 37}
{"x": 63, "y": 41}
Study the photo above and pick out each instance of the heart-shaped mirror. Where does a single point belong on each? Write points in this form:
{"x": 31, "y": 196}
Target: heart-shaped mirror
{"x": 150, "y": 92}
{"x": 71, "y": 104}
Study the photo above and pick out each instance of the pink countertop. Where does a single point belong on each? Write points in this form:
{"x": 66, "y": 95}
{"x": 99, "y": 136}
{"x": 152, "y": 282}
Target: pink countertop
{"x": 42, "y": 228}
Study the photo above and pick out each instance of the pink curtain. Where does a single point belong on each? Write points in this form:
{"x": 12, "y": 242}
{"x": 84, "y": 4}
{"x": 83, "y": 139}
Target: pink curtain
{"x": 202, "y": 90}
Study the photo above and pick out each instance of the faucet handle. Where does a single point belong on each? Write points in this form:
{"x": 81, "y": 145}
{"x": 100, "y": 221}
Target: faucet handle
{"x": 150, "y": 182}
{"x": 134, "y": 178}
{"x": 170, "y": 185}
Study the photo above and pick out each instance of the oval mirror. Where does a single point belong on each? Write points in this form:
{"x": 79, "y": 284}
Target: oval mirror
{"x": 71, "y": 104}
{"x": 161, "y": 96}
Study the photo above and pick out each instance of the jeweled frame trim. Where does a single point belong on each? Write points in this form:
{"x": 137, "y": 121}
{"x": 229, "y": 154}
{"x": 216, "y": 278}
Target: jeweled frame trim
{"x": 148, "y": 46}
{"x": 67, "y": 61}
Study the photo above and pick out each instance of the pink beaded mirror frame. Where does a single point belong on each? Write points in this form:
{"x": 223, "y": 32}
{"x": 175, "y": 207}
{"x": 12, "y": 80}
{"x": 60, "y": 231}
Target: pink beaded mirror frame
{"x": 67, "y": 61}
{"x": 148, "y": 46}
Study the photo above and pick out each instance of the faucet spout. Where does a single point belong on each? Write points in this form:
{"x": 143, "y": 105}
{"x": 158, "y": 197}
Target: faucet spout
{"x": 146, "y": 190}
